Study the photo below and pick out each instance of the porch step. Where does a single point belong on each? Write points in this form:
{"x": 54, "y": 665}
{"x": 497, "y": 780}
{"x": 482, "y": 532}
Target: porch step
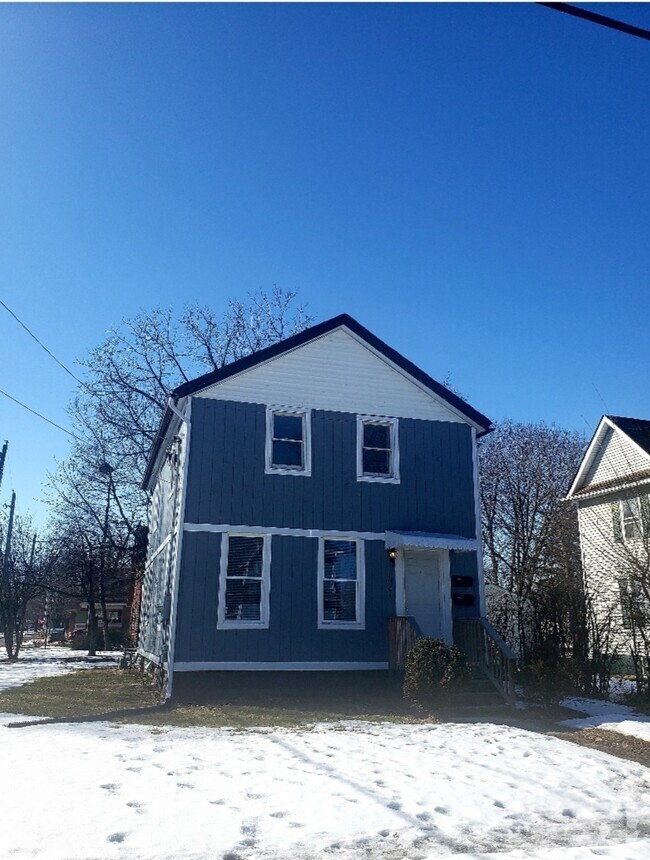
{"x": 480, "y": 693}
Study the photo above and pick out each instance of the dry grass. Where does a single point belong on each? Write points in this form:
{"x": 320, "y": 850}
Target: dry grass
{"x": 79, "y": 694}
{"x": 129, "y": 696}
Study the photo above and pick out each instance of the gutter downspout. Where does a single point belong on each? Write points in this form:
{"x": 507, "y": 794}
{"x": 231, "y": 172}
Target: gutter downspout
{"x": 185, "y": 418}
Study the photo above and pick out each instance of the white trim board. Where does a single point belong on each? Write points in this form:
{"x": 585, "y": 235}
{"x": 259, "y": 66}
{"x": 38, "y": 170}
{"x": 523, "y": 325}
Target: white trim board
{"x": 277, "y": 667}
{"x": 275, "y": 530}
{"x": 178, "y": 549}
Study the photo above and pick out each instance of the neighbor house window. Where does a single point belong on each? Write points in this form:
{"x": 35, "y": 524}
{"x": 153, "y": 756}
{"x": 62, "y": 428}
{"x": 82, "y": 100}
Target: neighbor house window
{"x": 288, "y": 441}
{"x": 244, "y": 581}
{"x": 341, "y": 583}
{"x": 630, "y": 519}
{"x": 377, "y": 449}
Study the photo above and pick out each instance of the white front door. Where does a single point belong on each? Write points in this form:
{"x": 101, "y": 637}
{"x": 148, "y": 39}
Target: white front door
{"x": 427, "y": 591}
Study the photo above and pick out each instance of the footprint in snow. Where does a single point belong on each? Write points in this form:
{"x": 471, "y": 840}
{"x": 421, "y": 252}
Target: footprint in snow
{"x": 568, "y": 813}
{"x": 394, "y": 805}
{"x": 116, "y": 837}
{"x": 441, "y": 810}
{"x": 500, "y": 804}
{"x": 279, "y": 814}
{"x": 110, "y": 786}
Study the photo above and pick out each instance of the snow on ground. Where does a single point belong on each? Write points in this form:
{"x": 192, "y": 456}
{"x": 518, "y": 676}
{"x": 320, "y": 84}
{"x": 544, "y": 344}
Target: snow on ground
{"x": 36, "y": 663}
{"x": 343, "y": 791}
{"x": 346, "y": 791}
{"x": 611, "y": 716}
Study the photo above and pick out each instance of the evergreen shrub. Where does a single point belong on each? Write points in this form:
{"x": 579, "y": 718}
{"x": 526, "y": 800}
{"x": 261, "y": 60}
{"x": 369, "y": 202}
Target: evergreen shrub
{"x": 433, "y": 671}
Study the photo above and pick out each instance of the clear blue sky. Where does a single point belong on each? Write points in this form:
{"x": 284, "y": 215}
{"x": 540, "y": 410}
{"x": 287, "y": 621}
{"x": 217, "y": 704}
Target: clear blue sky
{"x": 471, "y": 182}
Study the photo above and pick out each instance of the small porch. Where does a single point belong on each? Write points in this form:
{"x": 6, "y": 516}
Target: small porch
{"x": 425, "y": 594}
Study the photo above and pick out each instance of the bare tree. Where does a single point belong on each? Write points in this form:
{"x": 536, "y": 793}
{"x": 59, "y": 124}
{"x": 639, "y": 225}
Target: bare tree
{"x": 24, "y": 569}
{"x": 530, "y": 535}
{"x": 97, "y": 504}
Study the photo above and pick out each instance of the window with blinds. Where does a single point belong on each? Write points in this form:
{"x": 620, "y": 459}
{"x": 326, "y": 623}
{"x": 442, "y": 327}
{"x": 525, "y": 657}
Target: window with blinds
{"x": 341, "y": 583}
{"x": 245, "y": 566}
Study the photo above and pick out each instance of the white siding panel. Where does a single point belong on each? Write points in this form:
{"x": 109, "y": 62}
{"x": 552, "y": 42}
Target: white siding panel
{"x": 338, "y": 373}
{"x": 604, "y": 563}
{"x": 615, "y": 459}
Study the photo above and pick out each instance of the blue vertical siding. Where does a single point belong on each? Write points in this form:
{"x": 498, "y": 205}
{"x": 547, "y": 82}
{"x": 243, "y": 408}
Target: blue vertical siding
{"x": 227, "y": 482}
{"x": 227, "y": 485}
{"x": 293, "y": 634}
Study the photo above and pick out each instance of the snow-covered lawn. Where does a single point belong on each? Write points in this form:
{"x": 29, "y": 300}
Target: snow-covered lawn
{"x": 346, "y": 791}
{"x": 612, "y": 716}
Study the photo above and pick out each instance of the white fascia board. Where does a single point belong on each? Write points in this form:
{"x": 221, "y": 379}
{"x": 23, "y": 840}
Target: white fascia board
{"x": 172, "y": 430}
{"x": 590, "y": 453}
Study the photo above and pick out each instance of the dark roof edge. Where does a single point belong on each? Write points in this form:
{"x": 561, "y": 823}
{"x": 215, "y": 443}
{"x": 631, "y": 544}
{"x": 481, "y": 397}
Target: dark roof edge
{"x": 296, "y": 340}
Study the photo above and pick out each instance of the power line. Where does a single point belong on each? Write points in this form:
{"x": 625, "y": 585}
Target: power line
{"x": 34, "y": 412}
{"x": 595, "y": 18}
{"x": 41, "y": 344}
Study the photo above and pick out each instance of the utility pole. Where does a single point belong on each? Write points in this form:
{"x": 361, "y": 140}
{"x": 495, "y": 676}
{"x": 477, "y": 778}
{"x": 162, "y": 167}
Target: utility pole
{"x": 3, "y": 457}
{"x": 6, "y": 584}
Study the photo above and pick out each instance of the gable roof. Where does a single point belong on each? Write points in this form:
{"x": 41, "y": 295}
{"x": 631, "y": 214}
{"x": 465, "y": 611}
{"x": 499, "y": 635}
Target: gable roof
{"x": 636, "y": 431}
{"x": 471, "y": 415}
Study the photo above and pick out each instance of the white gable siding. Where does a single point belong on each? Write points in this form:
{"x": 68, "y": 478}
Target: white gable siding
{"x": 603, "y": 563}
{"x": 616, "y": 458}
{"x": 338, "y": 373}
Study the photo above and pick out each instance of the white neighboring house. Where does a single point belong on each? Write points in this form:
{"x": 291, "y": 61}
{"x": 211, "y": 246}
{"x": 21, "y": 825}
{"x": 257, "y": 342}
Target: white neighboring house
{"x": 612, "y": 492}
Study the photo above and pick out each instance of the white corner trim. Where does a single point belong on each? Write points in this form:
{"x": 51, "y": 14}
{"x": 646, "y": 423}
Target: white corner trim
{"x": 478, "y": 528}
{"x": 297, "y": 411}
{"x": 360, "y": 606}
{"x": 220, "y": 528}
{"x": 393, "y": 423}
{"x": 224, "y": 623}
{"x": 278, "y": 667}
{"x": 179, "y": 547}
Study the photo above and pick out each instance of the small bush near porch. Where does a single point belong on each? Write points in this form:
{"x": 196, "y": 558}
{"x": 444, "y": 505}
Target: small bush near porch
{"x": 434, "y": 670}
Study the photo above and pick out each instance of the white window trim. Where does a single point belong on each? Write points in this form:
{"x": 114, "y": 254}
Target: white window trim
{"x": 393, "y": 478}
{"x": 305, "y": 414}
{"x": 360, "y": 623}
{"x": 636, "y": 518}
{"x": 233, "y": 624}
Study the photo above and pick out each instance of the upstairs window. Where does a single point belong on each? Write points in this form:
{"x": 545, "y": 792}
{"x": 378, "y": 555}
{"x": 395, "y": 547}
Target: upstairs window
{"x": 630, "y": 519}
{"x": 341, "y": 583}
{"x": 244, "y": 581}
{"x": 288, "y": 441}
{"x": 377, "y": 449}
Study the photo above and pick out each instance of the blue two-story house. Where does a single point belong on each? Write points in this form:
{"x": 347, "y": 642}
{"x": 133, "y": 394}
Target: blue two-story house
{"x": 305, "y": 502}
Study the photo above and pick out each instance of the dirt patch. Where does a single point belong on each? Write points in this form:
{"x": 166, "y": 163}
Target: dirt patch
{"x": 614, "y": 743}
